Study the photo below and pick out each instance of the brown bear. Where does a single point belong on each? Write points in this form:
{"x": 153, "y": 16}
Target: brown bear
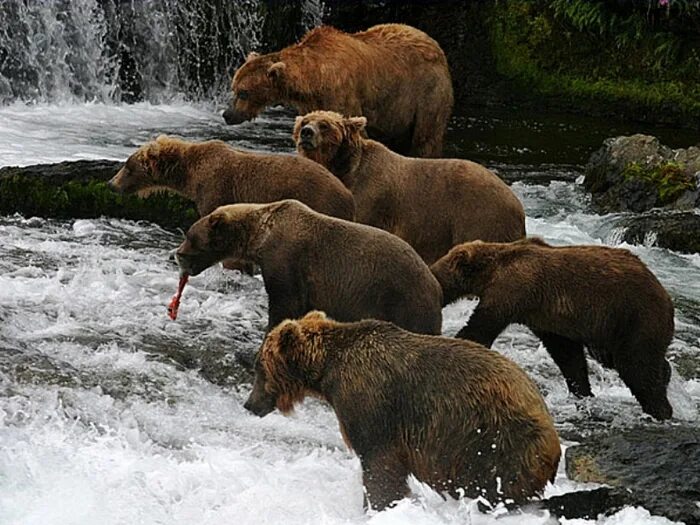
{"x": 433, "y": 204}
{"x": 312, "y": 261}
{"x": 452, "y": 413}
{"x": 395, "y": 75}
{"x": 570, "y": 296}
{"x": 213, "y": 173}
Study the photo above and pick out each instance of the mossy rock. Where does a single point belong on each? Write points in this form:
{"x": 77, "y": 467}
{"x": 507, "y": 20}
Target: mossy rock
{"x": 78, "y": 190}
{"x": 637, "y": 173}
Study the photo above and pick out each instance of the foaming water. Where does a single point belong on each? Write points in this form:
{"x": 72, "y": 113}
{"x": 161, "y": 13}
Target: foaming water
{"x": 46, "y": 133}
{"x": 112, "y": 413}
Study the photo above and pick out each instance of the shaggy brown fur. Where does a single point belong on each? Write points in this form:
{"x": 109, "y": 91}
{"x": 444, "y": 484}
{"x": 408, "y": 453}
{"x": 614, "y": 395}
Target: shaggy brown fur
{"x": 395, "y": 75}
{"x": 432, "y": 204}
{"x": 600, "y": 297}
{"x": 213, "y": 173}
{"x": 309, "y": 260}
{"x": 450, "y": 412}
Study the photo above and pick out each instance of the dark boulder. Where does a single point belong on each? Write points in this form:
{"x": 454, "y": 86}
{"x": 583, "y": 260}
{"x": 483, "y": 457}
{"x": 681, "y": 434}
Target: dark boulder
{"x": 659, "y": 466}
{"x": 673, "y": 230}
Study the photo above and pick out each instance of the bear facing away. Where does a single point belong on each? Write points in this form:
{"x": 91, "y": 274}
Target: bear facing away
{"x": 395, "y": 75}
{"x": 571, "y": 296}
{"x": 452, "y": 413}
{"x": 433, "y": 204}
{"x": 311, "y": 261}
{"x": 213, "y": 173}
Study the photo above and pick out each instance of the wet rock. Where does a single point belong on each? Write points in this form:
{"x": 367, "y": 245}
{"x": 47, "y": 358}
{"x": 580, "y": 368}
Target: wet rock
{"x": 78, "y": 190}
{"x": 637, "y": 173}
{"x": 658, "y": 465}
{"x": 589, "y": 504}
{"x": 678, "y": 231}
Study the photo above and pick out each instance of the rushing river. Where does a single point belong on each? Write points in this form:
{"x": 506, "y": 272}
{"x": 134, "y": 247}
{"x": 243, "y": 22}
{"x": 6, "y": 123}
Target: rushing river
{"x": 105, "y": 415}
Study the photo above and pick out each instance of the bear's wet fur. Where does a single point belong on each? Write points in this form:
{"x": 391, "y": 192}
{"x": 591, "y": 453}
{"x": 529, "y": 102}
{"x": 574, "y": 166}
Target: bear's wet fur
{"x": 599, "y": 297}
{"x": 433, "y": 204}
{"x": 454, "y": 414}
{"x": 213, "y": 174}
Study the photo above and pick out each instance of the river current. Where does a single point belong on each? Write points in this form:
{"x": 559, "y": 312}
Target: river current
{"x": 105, "y": 415}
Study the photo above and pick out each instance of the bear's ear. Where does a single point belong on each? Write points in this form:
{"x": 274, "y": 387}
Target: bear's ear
{"x": 355, "y": 124}
{"x": 276, "y": 71}
{"x": 315, "y": 315}
{"x": 288, "y": 336}
{"x": 297, "y": 127}
{"x": 462, "y": 259}
{"x": 252, "y": 55}
{"x": 215, "y": 220}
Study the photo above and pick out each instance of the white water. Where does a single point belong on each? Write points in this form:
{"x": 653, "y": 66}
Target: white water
{"x": 99, "y": 425}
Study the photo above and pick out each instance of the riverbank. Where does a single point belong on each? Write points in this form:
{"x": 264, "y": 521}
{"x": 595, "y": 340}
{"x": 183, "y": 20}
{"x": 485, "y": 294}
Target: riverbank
{"x": 592, "y": 58}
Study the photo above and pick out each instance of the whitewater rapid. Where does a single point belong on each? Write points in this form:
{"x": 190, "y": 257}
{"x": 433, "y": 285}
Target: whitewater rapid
{"x": 103, "y": 417}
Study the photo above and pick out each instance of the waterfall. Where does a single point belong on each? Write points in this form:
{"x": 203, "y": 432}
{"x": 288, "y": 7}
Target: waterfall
{"x": 123, "y": 50}
{"x": 311, "y": 13}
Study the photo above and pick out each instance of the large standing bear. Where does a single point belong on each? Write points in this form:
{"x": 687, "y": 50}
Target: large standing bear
{"x": 395, "y": 75}
{"x": 312, "y": 261}
{"x": 570, "y": 296}
{"x": 457, "y": 416}
{"x": 433, "y": 204}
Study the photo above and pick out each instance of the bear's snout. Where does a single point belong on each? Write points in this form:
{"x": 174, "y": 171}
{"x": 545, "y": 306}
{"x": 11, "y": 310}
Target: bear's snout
{"x": 232, "y": 117}
{"x": 258, "y": 408}
{"x": 115, "y": 183}
{"x": 308, "y": 137}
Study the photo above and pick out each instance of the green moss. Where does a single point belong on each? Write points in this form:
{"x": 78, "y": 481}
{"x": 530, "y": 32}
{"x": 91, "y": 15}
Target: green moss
{"x": 586, "y": 54}
{"x": 31, "y": 196}
{"x": 669, "y": 179}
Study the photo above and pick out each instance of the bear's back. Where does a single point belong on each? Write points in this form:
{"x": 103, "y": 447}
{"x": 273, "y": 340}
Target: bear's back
{"x": 354, "y": 271}
{"x": 264, "y": 178}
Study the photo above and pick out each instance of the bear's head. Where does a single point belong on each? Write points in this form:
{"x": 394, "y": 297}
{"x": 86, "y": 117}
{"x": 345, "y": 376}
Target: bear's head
{"x": 462, "y": 270}
{"x": 326, "y": 136}
{"x": 224, "y": 233}
{"x": 289, "y": 365}
{"x": 258, "y": 83}
{"x": 155, "y": 166}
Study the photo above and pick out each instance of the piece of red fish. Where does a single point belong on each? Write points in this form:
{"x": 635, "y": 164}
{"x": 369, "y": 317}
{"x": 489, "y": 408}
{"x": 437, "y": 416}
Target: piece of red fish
{"x": 175, "y": 301}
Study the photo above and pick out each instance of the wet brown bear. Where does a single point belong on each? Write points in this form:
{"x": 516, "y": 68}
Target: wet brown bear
{"x": 453, "y": 413}
{"x": 213, "y": 173}
{"x": 395, "y": 75}
{"x": 433, "y": 204}
{"x": 309, "y": 260}
{"x": 570, "y": 296}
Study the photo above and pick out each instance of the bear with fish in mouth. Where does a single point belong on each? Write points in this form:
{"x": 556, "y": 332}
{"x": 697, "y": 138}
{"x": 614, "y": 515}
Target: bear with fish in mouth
{"x": 309, "y": 261}
{"x": 459, "y": 417}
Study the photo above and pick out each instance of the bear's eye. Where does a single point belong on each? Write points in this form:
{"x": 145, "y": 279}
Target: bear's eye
{"x": 242, "y": 94}
{"x": 323, "y": 126}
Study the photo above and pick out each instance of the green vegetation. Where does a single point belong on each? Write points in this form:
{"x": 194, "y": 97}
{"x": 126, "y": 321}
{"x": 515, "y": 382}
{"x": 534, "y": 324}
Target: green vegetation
{"x": 669, "y": 179}
{"x": 32, "y": 196}
{"x": 641, "y": 56}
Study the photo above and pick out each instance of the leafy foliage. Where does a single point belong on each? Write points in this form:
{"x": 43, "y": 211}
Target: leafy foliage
{"x": 635, "y": 52}
{"x": 669, "y": 179}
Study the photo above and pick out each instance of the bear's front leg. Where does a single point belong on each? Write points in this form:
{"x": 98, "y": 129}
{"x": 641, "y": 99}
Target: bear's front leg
{"x": 569, "y": 357}
{"x": 483, "y": 327}
{"x": 384, "y": 478}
